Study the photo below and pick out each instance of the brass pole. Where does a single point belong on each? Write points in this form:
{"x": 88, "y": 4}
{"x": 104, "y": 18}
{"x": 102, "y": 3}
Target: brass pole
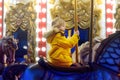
{"x": 76, "y": 27}
{"x": 90, "y": 31}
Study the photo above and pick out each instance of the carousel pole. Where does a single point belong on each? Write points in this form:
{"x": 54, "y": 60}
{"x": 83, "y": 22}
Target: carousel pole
{"x": 76, "y": 27}
{"x": 90, "y": 31}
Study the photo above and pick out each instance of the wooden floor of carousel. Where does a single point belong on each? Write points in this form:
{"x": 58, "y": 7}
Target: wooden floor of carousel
{"x": 105, "y": 67}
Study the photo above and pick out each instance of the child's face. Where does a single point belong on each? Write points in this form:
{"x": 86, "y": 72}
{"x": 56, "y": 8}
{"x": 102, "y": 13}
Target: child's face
{"x": 62, "y": 28}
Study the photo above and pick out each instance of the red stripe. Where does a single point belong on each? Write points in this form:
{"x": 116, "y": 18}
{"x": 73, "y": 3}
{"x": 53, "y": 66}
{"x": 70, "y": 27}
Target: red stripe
{"x": 1, "y": 27}
{"x": 40, "y": 34}
{"x": 109, "y": 15}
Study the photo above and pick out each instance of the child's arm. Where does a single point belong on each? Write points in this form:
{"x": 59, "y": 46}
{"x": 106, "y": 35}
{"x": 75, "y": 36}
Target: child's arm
{"x": 66, "y": 42}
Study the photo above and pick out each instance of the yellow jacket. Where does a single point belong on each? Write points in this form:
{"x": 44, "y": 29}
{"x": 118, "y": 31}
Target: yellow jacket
{"x": 60, "y": 54}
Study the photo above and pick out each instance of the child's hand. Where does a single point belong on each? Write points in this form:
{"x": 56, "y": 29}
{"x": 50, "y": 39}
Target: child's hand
{"x": 77, "y": 32}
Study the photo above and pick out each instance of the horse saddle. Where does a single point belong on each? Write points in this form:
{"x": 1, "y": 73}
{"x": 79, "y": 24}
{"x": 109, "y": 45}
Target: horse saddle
{"x": 48, "y": 66}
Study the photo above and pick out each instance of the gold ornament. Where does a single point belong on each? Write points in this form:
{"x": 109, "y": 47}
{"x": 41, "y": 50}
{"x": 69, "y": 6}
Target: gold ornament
{"x": 23, "y": 16}
{"x": 65, "y": 10}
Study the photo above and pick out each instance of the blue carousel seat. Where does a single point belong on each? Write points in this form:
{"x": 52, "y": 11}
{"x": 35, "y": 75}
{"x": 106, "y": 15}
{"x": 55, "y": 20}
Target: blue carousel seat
{"x": 45, "y": 71}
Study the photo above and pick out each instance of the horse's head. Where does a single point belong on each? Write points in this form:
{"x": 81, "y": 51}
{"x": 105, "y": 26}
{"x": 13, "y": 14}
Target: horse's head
{"x": 9, "y": 48}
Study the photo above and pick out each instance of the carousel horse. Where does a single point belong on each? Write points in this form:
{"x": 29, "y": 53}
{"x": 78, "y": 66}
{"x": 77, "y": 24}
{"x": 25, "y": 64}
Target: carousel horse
{"x": 8, "y": 46}
{"x": 84, "y": 50}
{"x": 14, "y": 71}
{"x": 106, "y": 65}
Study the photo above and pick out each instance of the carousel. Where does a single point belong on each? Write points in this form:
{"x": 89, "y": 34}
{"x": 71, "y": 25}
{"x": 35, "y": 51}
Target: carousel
{"x": 98, "y": 56}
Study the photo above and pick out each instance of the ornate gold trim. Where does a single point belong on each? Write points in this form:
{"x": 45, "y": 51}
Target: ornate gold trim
{"x": 23, "y": 16}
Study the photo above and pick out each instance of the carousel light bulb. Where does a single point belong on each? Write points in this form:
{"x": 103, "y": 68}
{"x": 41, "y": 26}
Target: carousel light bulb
{"x": 0, "y": 17}
{"x": 43, "y": 19}
{"x": 24, "y": 47}
{"x": 37, "y": 58}
{"x": 37, "y": 49}
{"x": 109, "y": 29}
{"x": 113, "y": 2}
{"x": 38, "y": 39}
{"x": 108, "y": 1}
{"x": 0, "y": 33}
{"x": 109, "y": 20}
{"x": 38, "y": 1}
{"x": 43, "y": 49}
{"x": 38, "y": 20}
{"x": 0, "y": 0}
{"x": 109, "y": 10}
{"x": 38, "y": 30}
{"x": 0, "y": 8}
{"x": 0, "y": 25}
{"x": 38, "y": 10}
{"x": 37, "y": 7}
{"x": 43, "y": 1}
{"x": 43, "y": 39}
{"x": 44, "y": 10}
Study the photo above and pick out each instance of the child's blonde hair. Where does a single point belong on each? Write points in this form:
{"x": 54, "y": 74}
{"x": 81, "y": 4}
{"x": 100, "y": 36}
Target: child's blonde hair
{"x": 56, "y": 23}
